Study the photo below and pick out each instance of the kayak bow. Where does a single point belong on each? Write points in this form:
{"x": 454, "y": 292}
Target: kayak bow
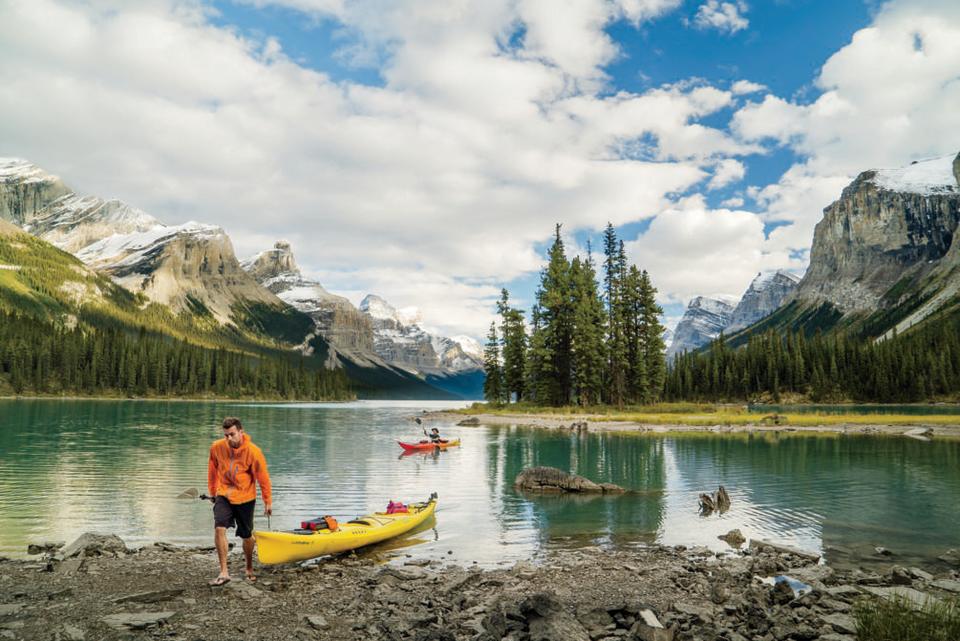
{"x": 300, "y": 545}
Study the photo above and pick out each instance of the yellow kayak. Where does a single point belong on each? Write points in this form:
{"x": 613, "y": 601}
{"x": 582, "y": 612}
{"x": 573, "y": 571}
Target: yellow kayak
{"x": 300, "y": 545}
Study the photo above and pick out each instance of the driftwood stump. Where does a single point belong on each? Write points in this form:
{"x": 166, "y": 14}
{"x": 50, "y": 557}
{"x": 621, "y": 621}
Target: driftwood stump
{"x": 720, "y": 501}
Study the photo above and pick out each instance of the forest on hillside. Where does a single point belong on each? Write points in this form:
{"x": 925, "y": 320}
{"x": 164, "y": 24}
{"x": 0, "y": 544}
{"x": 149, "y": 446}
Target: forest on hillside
{"x": 38, "y": 357}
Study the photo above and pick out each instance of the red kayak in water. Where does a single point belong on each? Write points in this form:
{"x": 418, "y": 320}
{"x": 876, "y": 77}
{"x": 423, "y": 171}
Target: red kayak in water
{"x": 428, "y": 445}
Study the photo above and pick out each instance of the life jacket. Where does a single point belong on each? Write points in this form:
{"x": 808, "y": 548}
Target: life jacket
{"x": 396, "y": 508}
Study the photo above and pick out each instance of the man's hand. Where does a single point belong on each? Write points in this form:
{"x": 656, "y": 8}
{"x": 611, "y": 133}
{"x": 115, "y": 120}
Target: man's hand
{"x": 268, "y": 509}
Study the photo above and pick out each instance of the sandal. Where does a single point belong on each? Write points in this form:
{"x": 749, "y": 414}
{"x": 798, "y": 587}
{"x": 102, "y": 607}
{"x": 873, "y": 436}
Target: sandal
{"x": 251, "y": 577}
{"x": 220, "y": 580}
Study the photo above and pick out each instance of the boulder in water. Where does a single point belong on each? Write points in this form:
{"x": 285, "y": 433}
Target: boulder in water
{"x": 551, "y": 479}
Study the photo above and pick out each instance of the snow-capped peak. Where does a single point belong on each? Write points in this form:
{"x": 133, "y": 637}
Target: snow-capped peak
{"x": 469, "y": 345}
{"x": 716, "y": 305}
{"x": 927, "y": 177}
{"x": 763, "y": 279}
{"x": 127, "y": 248}
{"x": 73, "y": 209}
{"x": 23, "y": 171}
{"x": 378, "y": 308}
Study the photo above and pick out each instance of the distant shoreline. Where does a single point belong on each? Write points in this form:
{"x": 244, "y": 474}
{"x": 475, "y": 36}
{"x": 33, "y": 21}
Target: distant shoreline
{"x": 171, "y": 399}
{"x": 598, "y": 423}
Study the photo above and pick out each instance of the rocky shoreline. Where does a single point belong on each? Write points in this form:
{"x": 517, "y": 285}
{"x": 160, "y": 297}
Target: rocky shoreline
{"x": 98, "y": 589}
{"x": 586, "y": 422}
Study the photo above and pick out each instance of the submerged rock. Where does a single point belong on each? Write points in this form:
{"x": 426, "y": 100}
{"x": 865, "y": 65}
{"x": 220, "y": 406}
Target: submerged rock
{"x": 551, "y": 479}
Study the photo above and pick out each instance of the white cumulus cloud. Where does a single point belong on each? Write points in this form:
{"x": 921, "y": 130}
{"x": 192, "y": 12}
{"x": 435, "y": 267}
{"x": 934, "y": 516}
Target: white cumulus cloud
{"x": 443, "y": 179}
{"x": 722, "y": 16}
{"x": 888, "y": 97}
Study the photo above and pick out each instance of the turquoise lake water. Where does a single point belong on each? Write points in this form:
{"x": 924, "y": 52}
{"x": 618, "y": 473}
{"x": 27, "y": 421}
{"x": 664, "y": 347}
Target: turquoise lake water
{"x": 67, "y": 467}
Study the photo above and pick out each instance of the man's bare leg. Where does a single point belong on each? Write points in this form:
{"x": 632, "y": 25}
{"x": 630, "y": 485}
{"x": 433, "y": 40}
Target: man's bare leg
{"x": 220, "y": 541}
{"x": 248, "y": 544}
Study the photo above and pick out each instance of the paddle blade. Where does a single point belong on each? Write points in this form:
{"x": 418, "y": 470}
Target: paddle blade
{"x": 192, "y": 493}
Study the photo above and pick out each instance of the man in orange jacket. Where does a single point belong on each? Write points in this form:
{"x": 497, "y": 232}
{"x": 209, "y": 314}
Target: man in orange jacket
{"x": 235, "y": 464}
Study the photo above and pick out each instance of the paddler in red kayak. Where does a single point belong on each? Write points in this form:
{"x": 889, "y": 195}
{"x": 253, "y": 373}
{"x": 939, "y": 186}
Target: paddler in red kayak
{"x": 434, "y": 436}
{"x": 236, "y": 465}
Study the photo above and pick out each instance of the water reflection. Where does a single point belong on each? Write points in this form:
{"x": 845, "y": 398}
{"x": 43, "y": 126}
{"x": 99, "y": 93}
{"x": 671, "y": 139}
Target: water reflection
{"x": 68, "y": 467}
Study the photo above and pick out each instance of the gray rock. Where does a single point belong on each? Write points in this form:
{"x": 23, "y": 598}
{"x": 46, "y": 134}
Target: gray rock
{"x": 766, "y": 546}
{"x": 843, "y": 623}
{"x": 10, "y": 609}
{"x": 596, "y": 621}
{"x": 733, "y": 538}
{"x": 951, "y": 556}
{"x": 882, "y": 551}
{"x": 920, "y": 432}
{"x": 844, "y": 592}
{"x": 947, "y": 584}
{"x": 644, "y": 632}
{"x": 781, "y": 593}
{"x": 70, "y": 566}
{"x": 137, "y": 620}
{"x": 72, "y": 633}
{"x": 832, "y": 605}
{"x": 46, "y": 546}
{"x": 469, "y": 422}
{"x": 549, "y": 622}
{"x": 917, "y": 573}
{"x": 833, "y": 636}
{"x": 696, "y": 612}
{"x": 317, "y": 622}
{"x": 92, "y": 544}
{"x": 551, "y": 479}
{"x": 900, "y": 576}
{"x": 154, "y": 596}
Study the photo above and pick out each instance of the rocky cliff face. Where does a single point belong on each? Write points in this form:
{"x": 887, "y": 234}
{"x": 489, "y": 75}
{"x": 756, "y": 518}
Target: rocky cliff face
{"x": 399, "y": 339}
{"x": 337, "y": 320}
{"x": 702, "y": 322}
{"x": 73, "y": 222}
{"x": 889, "y": 244}
{"x": 765, "y": 294}
{"x": 191, "y": 268}
{"x": 26, "y": 189}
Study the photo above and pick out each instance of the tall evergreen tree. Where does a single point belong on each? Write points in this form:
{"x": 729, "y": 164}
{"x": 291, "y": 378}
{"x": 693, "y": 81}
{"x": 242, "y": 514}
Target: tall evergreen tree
{"x": 588, "y": 352}
{"x": 615, "y": 378}
{"x": 652, "y": 346}
{"x": 556, "y": 315}
{"x": 493, "y": 383}
{"x": 513, "y": 335}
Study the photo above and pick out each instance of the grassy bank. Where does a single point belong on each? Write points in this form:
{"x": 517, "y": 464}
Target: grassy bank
{"x": 706, "y": 415}
{"x": 881, "y": 620}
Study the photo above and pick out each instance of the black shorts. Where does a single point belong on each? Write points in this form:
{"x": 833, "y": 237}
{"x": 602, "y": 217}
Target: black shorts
{"x": 226, "y": 514}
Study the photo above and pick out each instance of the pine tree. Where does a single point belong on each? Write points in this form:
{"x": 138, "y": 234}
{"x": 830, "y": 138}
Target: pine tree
{"x": 493, "y": 383}
{"x": 556, "y": 315}
{"x": 652, "y": 344}
{"x": 588, "y": 329}
{"x": 513, "y": 334}
{"x": 616, "y": 345}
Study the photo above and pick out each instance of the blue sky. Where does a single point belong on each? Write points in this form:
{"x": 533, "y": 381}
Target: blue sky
{"x": 424, "y": 151}
{"x": 783, "y": 48}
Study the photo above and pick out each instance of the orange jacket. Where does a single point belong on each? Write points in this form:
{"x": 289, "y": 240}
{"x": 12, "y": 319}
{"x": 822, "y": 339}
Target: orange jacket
{"x": 232, "y": 472}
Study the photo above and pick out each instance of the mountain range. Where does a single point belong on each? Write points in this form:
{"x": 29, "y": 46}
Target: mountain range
{"x": 190, "y": 273}
{"x": 706, "y": 318}
{"x": 885, "y": 258}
